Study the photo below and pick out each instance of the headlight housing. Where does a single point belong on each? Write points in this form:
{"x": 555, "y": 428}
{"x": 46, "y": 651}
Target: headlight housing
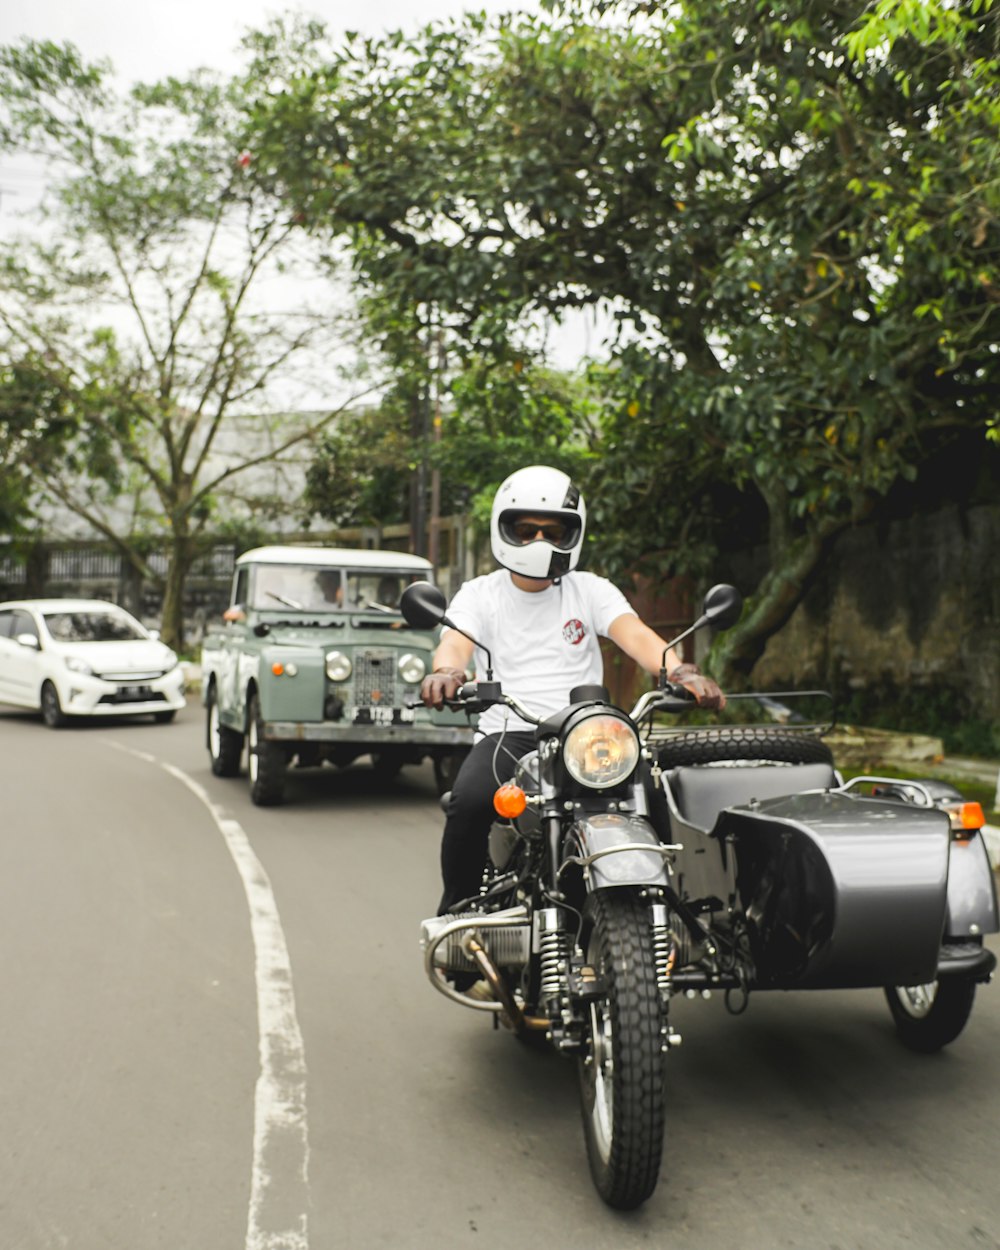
{"x": 76, "y": 665}
{"x": 601, "y": 751}
{"x": 411, "y": 668}
{"x": 338, "y": 666}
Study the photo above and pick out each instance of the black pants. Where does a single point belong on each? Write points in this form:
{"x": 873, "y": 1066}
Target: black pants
{"x": 470, "y": 812}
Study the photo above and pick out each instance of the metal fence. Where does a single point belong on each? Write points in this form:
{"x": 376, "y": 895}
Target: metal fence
{"x": 95, "y": 569}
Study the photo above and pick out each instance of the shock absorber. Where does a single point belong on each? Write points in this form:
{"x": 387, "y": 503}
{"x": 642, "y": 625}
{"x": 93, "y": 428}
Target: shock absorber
{"x": 663, "y": 947}
{"x": 553, "y": 956}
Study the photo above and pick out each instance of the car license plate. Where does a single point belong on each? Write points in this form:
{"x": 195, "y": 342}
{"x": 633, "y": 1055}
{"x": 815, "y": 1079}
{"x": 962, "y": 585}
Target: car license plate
{"x": 133, "y": 692}
{"x": 382, "y": 716}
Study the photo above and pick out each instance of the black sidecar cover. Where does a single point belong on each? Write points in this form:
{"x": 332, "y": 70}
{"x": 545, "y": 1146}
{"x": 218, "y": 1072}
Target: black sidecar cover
{"x": 841, "y": 891}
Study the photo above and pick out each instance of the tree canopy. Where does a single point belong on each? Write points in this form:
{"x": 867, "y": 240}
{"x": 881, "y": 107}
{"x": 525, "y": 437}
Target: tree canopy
{"x": 136, "y": 326}
{"x": 790, "y": 209}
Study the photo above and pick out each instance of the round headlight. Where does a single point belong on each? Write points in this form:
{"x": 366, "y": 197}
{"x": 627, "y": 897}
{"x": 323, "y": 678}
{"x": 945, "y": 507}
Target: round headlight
{"x": 338, "y": 666}
{"x": 412, "y": 668}
{"x": 601, "y": 751}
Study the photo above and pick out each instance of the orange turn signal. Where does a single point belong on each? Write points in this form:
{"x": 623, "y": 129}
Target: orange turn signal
{"x": 277, "y": 668}
{"x": 510, "y": 801}
{"x": 971, "y": 815}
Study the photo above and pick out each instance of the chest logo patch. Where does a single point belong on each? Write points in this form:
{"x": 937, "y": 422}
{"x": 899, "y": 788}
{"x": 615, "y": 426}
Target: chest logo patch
{"x": 574, "y": 632}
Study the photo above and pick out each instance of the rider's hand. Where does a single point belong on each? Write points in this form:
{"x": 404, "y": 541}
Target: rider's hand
{"x": 706, "y": 692}
{"x": 440, "y": 685}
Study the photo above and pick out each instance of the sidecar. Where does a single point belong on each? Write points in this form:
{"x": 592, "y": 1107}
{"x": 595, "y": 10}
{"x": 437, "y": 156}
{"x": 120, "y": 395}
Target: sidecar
{"x": 823, "y": 884}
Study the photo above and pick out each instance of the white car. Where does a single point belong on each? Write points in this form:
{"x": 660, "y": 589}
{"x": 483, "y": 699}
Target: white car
{"x": 85, "y": 657}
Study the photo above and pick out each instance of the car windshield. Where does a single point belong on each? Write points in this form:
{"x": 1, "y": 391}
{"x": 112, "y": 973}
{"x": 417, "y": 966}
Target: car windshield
{"x": 91, "y": 626}
{"x": 312, "y": 588}
{"x": 380, "y": 590}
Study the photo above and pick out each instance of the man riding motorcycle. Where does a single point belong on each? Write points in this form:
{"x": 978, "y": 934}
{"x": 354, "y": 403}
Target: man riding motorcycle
{"x": 540, "y": 618}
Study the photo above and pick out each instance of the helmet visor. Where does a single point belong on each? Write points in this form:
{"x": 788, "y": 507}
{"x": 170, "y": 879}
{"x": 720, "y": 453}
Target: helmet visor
{"x": 560, "y": 530}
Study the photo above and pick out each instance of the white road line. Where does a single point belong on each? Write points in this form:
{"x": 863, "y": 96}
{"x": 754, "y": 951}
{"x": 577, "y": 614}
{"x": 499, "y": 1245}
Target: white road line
{"x": 279, "y": 1191}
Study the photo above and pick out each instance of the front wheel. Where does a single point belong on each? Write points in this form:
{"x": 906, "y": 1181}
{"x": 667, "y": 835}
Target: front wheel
{"x": 266, "y": 761}
{"x": 928, "y": 1017}
{"x": 52, "y": 713}
{"x": 225, "y": 745}
{"x": 622, "y": 1085}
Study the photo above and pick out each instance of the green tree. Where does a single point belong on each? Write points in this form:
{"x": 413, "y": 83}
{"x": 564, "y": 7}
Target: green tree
{"x": 143, "y": 301}
{"x": 791, "y": 209}
{"x": 39, "y": 416}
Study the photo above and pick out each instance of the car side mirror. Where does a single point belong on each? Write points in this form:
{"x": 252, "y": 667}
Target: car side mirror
{"x": 29, "y": 641}
{"x": 423, "y": 606}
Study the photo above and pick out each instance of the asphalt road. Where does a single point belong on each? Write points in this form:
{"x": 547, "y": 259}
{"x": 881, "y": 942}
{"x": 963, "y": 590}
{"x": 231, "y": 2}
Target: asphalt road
{"x": 217, "y": 1036}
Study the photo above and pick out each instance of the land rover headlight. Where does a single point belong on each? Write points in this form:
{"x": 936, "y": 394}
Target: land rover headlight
{"x": 601, "y": 751}
{"x": 338, "y": 666}
{"x": 412, "y": 668}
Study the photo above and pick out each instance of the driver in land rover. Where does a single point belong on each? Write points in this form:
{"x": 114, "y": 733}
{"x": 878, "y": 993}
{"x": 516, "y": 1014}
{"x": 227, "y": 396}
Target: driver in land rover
{"x": 541, "y": 618}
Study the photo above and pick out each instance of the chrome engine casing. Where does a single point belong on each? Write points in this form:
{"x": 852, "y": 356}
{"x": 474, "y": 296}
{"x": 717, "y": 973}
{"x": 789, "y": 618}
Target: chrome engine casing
{"x": 506, "y": 935}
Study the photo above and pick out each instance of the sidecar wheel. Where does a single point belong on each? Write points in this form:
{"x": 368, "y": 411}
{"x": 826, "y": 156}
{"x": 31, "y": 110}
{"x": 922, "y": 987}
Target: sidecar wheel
{"x": 622, "y": 1086}
{"x": 928, "y": 1017}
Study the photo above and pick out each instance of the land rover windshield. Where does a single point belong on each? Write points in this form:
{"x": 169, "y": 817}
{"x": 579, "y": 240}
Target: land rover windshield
{"x": 315, "y": 588}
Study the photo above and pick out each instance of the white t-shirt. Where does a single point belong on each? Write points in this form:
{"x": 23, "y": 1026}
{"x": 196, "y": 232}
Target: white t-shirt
{"x": 543, "y": 643}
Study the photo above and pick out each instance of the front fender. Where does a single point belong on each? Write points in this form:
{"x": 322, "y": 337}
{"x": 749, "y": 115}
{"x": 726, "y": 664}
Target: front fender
{"x": 617, "y": 850}
{"x": 972, "y": 899}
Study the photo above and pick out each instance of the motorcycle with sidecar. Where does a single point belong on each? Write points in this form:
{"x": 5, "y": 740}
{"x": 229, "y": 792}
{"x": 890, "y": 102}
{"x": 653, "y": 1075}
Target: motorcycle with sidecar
{"x": 633, "y": 861}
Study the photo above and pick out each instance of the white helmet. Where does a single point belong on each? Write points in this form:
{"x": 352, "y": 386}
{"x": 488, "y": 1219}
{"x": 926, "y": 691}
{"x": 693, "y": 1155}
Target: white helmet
{"x": 538, "y": 492}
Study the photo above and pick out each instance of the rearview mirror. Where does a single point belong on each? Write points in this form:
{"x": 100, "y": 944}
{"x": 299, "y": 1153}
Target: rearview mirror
{"x": 423, "y": 605}
{"x": 29, "y": 641}
{"x": 722, "y": 607}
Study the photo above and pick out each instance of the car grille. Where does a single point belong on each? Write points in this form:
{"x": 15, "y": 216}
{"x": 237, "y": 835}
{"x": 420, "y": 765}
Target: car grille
{"x": 132, "y": 676}
{"x": 375, "y": 678}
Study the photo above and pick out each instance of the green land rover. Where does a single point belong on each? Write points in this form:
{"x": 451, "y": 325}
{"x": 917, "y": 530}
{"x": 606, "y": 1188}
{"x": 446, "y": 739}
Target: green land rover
{"x": 314, "y": 663}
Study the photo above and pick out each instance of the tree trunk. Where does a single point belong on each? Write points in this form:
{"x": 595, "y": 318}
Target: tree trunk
{"x": 182, "y": 555}
{"x": 781, "y": 590}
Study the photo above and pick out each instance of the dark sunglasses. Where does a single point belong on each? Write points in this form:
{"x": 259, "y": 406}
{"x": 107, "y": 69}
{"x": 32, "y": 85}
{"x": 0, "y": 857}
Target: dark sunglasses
{"x": 528, "y": 531}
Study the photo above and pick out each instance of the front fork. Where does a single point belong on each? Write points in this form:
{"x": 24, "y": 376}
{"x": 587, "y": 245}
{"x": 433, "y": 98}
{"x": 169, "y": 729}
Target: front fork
{"x": 568, "y": 985}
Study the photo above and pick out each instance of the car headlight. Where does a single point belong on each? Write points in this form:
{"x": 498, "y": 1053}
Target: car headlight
{"x": 169, "y": 661}
{"x": 601, "y": 751}
{"x": 412, "y": 668}
{"x": 76, "y": 665}
{"x": 338, "y": 666}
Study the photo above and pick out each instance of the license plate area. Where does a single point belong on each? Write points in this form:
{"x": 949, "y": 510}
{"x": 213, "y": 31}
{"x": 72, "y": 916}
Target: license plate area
{"x": 133, "y": 694}
{"x": 382, "y": 715}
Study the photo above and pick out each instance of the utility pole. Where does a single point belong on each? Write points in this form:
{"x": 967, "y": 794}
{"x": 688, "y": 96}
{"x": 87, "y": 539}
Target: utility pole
{"x": 437, "y": 369}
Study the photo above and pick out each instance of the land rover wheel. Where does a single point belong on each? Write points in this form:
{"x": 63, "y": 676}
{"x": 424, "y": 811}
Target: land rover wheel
{"x": 446, "y": 770}
{"x": 266, "y": 761}
{"x": 225, "y": 745}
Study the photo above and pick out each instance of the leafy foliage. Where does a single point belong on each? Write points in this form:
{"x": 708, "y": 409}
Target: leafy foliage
{"x": 142, "y": 319}
{"x": 790, "y": 208}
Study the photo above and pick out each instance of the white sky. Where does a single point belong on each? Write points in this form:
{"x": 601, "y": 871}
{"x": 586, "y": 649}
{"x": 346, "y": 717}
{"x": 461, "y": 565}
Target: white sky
{"x": 150, "y": 41}
{"x": 146, "y": 42}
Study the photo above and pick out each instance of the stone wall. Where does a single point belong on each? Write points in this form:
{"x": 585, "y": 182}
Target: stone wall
{"x": 915, "y": 600}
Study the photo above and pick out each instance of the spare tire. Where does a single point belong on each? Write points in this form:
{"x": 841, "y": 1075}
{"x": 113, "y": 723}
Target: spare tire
{"x": 744, "y": 742}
